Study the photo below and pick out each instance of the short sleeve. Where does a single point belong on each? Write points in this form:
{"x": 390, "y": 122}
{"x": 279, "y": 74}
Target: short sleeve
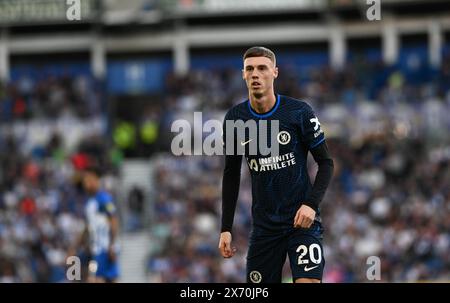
{"x": 106, "y": 204}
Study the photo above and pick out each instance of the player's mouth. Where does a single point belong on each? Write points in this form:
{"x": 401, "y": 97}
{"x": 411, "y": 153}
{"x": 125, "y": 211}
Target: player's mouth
{"x": 256, "y": 84}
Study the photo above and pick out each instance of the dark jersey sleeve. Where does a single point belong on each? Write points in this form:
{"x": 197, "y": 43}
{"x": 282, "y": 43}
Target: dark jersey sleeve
{"x": 323, "y": 177}
{"x": 230, "y": 182}
{"x": 314, "y": 139}
{"x": 230, "y": 190}
{"x": 312, "y": 134}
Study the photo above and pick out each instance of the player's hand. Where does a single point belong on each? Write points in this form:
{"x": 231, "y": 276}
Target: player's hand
{"x": 225, "y": 245}
{"x": 304, "y": 217}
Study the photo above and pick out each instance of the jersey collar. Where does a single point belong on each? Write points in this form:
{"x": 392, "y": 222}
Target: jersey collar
{"x": 265, "y": 115}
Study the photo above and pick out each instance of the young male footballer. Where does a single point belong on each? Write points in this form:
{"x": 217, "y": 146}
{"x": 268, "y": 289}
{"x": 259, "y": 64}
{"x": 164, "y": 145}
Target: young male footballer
{"x": 285, "y": 205}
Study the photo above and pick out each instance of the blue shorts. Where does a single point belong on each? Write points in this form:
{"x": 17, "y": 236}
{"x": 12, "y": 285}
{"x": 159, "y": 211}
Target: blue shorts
{"x": 106, "y": 268}
{"x": 267, "y": 254}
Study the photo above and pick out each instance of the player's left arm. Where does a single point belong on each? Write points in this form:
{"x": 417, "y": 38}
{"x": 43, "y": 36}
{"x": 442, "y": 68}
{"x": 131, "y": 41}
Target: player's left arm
{"x": 114, "y": 231}
{"x": 314, "y": 137}
{"x": 113, "y": 221}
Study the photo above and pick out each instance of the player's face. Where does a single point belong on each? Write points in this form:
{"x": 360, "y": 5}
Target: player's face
{"x": 259, "y": 73}
{"x": 90, "y": 182}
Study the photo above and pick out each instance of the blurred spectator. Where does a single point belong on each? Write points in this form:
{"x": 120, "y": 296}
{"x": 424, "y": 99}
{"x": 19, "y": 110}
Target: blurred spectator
{"x": 44, "y": 140}
{"x": 136, "y": 200}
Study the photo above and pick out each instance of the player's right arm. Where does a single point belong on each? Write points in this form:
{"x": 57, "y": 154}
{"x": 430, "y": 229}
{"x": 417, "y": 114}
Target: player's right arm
{"x": 230, "y": 191}
{"x": 314, "y": 139}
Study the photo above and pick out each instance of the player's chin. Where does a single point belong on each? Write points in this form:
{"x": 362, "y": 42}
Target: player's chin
{"x": 255, "y": 89}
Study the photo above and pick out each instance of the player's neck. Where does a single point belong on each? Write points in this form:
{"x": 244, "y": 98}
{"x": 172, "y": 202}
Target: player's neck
{"x": 263, "y": 104}
{"x": 94, "y": 191}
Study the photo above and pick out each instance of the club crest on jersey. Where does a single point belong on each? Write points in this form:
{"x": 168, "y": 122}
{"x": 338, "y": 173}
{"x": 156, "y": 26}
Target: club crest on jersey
{"x": 283, "y": 137}
{"x": 255, "y": 276}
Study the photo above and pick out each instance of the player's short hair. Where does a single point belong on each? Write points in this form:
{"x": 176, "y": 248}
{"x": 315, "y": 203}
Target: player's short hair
{"x": 94, "y": 169}
{"x": 260, "y": 51}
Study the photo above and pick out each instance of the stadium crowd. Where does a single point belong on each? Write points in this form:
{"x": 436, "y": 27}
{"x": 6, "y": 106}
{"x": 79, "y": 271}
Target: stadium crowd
{"x": 387, "y": 130}
{"x": 49, "y": 131}
{"x": 385, "y": 201}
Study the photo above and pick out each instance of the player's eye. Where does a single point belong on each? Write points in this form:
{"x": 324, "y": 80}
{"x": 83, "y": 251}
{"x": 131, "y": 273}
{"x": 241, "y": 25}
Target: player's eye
{"x": 262, "y": 67}
{"x": 249, "y": 68}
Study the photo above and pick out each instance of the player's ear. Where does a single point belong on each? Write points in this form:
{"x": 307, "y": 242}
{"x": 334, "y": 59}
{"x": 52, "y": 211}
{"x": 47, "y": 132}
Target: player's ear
{"x": 243, "y": 74}
{"x": 275, "y": 72}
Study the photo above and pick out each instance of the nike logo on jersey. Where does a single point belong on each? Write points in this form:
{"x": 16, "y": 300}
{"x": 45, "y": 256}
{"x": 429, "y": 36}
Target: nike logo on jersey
{"x": 310, "y": 268}
{"x": 246, "y": 142}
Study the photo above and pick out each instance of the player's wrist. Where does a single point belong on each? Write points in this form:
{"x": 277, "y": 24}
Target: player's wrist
{"x": 311, "y": 204}
{"x": 225, "y": 228}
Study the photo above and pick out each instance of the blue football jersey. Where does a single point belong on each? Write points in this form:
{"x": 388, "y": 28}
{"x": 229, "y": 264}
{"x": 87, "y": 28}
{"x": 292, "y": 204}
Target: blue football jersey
{"x": 98, "y": 209}
{"x": 280, "y": 183}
